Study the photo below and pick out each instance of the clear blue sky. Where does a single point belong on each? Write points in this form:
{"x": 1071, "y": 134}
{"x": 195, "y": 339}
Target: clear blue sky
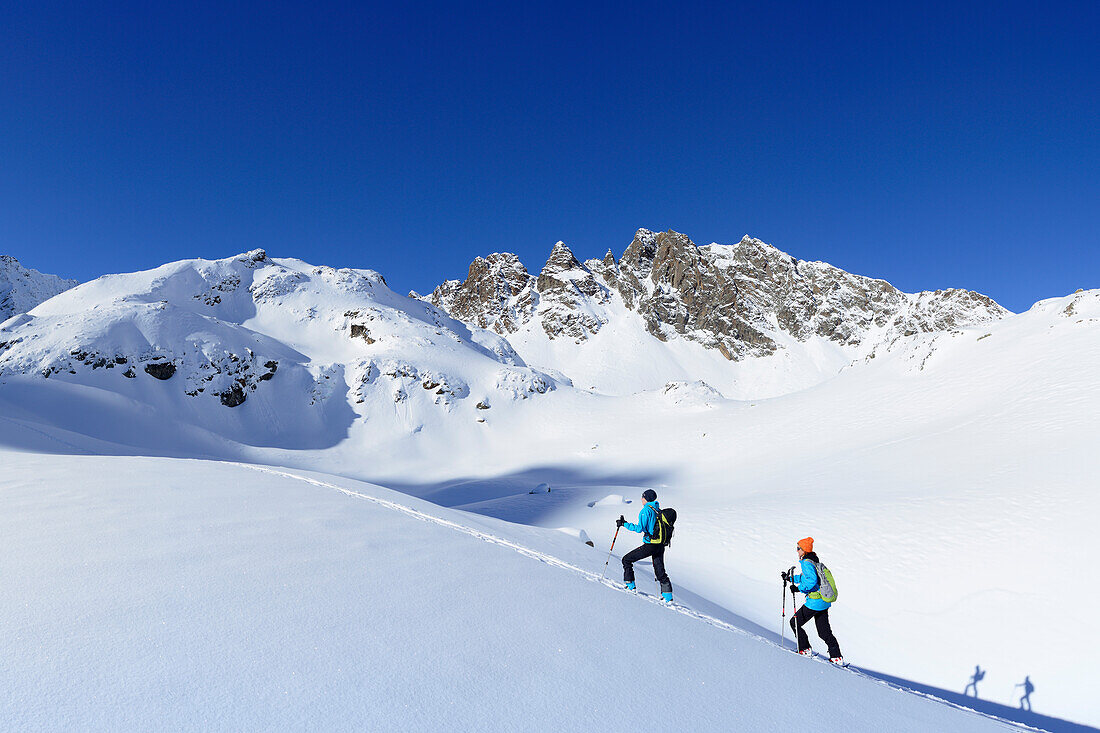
{"x": 934, "y": 145}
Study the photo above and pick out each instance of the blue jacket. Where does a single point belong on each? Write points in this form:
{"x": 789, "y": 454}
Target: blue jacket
{"x": 808, "y": 583}
{"x": 647, "y": 520}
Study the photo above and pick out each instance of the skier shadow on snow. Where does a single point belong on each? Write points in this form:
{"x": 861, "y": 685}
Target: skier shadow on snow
{"x": 1021, "y": 714}
{"x": 1012, "y": 713}
{"x": 978, "y": 676}
{"x": 1029, "y": 688}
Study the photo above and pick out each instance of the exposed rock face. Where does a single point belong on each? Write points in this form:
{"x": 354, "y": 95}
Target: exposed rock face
{"x": 358, "y": 330}
{"x": 740, "y": 299}
{"x": 566, "y": 291}
{"x": 677, "y": 287}
{"x": 21, "y": 289}
{"x": 233, "y": 397}
{"x": 160, "y": 369}
{"x": 498, "y": 294}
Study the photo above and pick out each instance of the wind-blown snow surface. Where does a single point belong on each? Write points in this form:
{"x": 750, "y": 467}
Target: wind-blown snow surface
{"x": 152, "y": 594}
{"x": 949, "y": 481}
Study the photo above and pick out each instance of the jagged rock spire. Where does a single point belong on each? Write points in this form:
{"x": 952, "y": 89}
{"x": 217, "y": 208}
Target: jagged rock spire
{"x": 497, "y": 294}
{"x": 740, "y": 299}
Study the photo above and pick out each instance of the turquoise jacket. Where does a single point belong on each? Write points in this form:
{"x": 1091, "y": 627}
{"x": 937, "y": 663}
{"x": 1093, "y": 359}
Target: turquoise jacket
{"x": 808, "y": 583}
{"x": 647, "y": 520}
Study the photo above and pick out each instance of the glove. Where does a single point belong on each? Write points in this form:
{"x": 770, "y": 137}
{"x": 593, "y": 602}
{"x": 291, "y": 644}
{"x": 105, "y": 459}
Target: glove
{"x": 784, "y": 576}
{"x": 794, "y": 588}
{"x": 620, "y": 521}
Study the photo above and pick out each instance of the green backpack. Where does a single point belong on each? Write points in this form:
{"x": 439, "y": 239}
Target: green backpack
{"x": 826, "y": 585}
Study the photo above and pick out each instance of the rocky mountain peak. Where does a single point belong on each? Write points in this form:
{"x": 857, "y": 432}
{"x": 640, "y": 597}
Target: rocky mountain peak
{"x": 499, "y": 266}
{"x": 743, "y": 299}
{"x": 497, "y": 293}
{"x": 569, "y": 295}
{"x": 638, "y": 257}
{"x": 561, "y": 269}
{"x": 561, "y": 259}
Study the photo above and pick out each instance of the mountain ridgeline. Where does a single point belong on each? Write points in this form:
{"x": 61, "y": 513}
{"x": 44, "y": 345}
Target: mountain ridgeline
{"x": 744, "y": 300}
{"x": 279, "y": 352}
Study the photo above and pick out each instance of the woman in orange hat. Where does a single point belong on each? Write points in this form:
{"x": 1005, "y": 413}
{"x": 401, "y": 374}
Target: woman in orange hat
{"x": 816, "y": 607}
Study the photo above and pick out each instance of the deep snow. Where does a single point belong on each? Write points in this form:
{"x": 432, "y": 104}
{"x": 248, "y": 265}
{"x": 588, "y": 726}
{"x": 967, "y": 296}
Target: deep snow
{"x": 949, "y": 481}
{"x": 171, "y": 594}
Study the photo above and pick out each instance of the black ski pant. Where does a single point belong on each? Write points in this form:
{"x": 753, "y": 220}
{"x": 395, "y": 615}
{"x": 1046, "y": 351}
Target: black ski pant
{"x": 657, "y": 552}
{"x": 824, "y": 630}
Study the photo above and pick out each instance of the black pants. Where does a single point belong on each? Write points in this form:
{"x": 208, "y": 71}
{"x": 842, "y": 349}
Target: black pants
{"x": 657, "y": 552}
{"x": 821, "y": 619}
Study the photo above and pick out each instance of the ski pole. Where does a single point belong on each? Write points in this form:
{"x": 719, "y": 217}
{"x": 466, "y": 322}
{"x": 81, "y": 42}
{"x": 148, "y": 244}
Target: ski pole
{"x": 783, "y": 621}
{"x": 610, "y": 551}
{"x": 783, "y": 590}
{"x": 794, "y": 614}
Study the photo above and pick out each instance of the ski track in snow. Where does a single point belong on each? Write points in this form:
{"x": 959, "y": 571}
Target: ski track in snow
{"x": 77, "y": 450}
{"x": 603, "y": 580}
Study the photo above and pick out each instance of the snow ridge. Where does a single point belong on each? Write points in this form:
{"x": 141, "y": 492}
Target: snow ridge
{"x": 284, "y": 351}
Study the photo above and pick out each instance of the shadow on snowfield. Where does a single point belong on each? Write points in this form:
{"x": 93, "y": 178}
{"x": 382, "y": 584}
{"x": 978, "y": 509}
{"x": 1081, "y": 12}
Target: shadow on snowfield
{"x": 1011, "y": 713}
{"x": 508, "y": 497}
{"x": 1015, "y": 714}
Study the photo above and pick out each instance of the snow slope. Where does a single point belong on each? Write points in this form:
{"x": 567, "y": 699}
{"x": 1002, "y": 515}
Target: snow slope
{"x": 169, "y": 594}
{"x": 951, "y": 488}
{"x": 949, "y": 478}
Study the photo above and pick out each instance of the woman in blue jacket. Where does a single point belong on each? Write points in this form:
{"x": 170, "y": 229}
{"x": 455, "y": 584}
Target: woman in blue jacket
{"x": 816, "y": 607}
{"x": 647, "y": 524}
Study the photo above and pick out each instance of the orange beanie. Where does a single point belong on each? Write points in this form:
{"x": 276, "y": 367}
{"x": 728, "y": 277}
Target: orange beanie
{"x": 807, "y": 544}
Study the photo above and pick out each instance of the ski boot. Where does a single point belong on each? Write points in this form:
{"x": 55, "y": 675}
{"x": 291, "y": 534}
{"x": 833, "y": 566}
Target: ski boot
{"x": 806, "y": 652}
{"x": 630, "y": 585}
{"x": 667, "y": 597}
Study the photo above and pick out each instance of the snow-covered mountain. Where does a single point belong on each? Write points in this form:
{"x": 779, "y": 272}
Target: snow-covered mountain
{"x": 946, "y": 469}
{"x": 22, "y": 289}
{"x": 636, "y": 323}
{"x": 265, "y": 351}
